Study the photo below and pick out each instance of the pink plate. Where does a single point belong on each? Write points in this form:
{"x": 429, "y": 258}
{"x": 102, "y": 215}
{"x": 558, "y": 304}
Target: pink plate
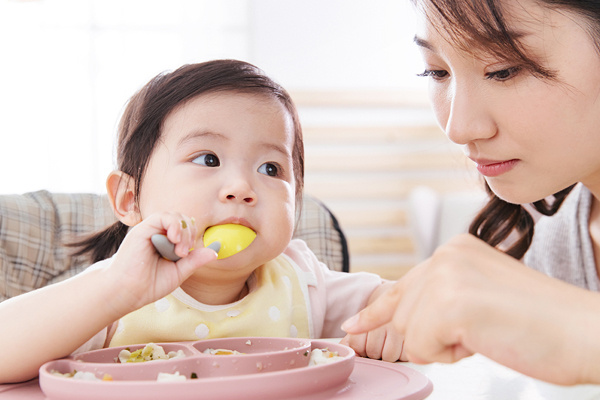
{"x": 348, "y": 377}
{"x": 378, "y": 380}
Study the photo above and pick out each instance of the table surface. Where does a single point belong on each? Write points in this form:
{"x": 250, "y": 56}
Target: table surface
{"x": 478, "y": 378}
{"x": 474, "y": 378}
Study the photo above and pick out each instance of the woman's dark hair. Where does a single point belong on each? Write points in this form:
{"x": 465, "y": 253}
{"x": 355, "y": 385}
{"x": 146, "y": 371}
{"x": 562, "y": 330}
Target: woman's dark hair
{"x": 480, "y": 26}
{"x": 498, "y": 219}
{"x": 140, "y": 128}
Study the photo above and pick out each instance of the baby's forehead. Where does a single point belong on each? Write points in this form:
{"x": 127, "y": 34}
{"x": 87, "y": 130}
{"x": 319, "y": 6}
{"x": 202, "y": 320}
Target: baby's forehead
{"x": 223, "y": 99}
{"x": 230, "y": 115}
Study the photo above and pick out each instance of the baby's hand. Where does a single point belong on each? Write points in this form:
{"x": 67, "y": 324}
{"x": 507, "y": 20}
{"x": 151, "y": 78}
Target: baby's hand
{"x": 380, "y": 344}
{"x": 142, "y": 275}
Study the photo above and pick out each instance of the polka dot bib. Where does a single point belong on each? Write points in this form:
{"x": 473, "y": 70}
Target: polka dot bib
{"x": 277, "y": 305}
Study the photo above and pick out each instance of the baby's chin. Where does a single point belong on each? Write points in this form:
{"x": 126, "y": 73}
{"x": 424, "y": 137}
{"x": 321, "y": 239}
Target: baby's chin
{"x": 244, "y": 262}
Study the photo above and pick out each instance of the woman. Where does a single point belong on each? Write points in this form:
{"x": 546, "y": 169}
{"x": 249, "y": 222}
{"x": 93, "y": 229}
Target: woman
{"x": 516, "y": 84}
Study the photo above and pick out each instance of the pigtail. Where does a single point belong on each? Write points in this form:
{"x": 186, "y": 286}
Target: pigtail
{"x": 498, "y": 219}
{"x": 102, "y": 245}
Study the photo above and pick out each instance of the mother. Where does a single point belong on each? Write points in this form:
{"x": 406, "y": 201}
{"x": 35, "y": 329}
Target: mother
{"x": 516, "y": 83}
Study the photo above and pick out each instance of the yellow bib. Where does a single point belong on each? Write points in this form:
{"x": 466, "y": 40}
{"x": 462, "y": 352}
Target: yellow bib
{"x": 277, "y": 305}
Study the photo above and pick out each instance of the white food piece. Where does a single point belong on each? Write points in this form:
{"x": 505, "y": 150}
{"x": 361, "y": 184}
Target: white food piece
{"x": 322, "y": 356}
{"x": 166, "y": 377}
{"x": 79, "y": 375}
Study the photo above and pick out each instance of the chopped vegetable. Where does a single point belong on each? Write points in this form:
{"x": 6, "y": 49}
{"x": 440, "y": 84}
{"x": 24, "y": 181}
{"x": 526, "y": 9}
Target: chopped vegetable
{"x": 150, "y": 352}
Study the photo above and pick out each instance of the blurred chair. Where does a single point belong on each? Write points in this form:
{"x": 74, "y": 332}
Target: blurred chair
{"x": 34, "y": 228}
{"x": 437, "y": 217}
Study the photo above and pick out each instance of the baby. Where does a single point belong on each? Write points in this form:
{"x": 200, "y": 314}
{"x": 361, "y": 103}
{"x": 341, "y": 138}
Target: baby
{"x": 208, "y": 145}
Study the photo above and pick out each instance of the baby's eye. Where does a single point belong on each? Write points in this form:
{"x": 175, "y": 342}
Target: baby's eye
{"x": 434, "y": 73}
{"x": 209, "y": 160}
{"x": 269, "y": 169}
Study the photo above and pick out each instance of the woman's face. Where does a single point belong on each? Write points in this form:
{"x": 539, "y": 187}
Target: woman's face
{"x": 529, "y": 137}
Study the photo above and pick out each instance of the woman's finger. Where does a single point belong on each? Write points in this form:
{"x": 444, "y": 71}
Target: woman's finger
{"x": 378, "y": 313}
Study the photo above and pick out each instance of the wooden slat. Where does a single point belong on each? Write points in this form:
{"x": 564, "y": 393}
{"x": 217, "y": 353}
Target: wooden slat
{"x": 362, "y": 134}
{"x": 361, "y": 98}
{"x": 388, "y": 267}
{"x": 370, "y": 214}
{"x": 380, "y": 244}
{"x": 329, "y": 188}
{"x": 370, "y": 159}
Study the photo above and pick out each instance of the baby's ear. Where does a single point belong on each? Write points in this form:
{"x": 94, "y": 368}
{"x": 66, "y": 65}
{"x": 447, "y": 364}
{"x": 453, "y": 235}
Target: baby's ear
{"x": 121, "y": 193}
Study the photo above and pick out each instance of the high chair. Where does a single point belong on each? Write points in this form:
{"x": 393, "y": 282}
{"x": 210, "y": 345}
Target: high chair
{"x": 35, "y": 226}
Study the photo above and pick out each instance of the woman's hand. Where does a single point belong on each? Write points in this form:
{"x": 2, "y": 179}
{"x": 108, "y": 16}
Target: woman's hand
{"x": 142, "y": 274}
{"x": 471, "y": 298}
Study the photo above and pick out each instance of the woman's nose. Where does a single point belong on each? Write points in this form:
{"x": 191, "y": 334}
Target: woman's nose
{"x": 468, "y": 117}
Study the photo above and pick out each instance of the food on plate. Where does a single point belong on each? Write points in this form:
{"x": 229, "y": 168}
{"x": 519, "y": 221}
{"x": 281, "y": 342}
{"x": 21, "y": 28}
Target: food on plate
{"x": 90, "y": 376}
{"x": 82, "y": 376}
{"x": 150, "y": 352}
{"x": 166, "y": 377}
{"x": 233, "y": 238}
{"x": 174, "y": 377}
{"x": 221, "y": 352}
{"x": 322, "y": 356}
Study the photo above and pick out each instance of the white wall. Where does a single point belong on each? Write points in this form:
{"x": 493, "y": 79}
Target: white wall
{"x": 69, "y": 66}
{"x": 336, "y": 44}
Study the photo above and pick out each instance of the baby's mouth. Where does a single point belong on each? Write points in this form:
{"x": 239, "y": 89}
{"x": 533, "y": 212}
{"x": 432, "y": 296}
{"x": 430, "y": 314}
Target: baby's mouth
{"x": 233, "y": 238}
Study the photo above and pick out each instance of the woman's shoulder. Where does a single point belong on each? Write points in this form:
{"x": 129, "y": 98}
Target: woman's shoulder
{"x": 561, "y": 242}
{"x": 575, "y": 208}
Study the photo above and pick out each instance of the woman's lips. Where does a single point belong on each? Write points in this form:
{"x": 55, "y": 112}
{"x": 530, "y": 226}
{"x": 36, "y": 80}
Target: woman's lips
{"x": 494, "y": 168}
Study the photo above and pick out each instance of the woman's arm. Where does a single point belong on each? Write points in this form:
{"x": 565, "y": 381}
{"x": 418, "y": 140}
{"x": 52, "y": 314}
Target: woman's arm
{"x": 471, "y": 298}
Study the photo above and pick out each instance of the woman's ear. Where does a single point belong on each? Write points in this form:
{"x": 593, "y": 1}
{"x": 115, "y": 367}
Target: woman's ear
{"x": 121, "y": 193}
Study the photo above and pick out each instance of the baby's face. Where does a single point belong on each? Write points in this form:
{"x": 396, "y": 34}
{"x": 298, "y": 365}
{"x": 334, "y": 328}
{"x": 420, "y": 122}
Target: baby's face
{"x": 227, "y": 158}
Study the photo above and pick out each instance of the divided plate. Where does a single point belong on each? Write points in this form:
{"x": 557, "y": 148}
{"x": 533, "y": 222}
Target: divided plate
{"x": 270, "y": 368}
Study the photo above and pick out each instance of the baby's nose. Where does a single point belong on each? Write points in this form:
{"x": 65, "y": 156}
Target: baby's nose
{"x": 238, "y": 190}
{"x": 249, "y": 199}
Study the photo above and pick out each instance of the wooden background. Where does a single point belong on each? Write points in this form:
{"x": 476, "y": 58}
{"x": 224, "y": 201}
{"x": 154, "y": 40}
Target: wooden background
{"x": 365, "y": 153}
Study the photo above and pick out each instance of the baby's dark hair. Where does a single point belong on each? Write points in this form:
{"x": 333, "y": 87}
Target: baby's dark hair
{"x": 140, "y": 128}
{"x": 480, "y": 26}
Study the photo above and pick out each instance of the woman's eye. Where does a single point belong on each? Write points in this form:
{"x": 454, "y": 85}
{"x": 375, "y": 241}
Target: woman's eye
{"x": 434, "y": 73}
{"x": 209, "y": 160}
{"x": 503, "y": 74}
{"x": 269, "y": 169}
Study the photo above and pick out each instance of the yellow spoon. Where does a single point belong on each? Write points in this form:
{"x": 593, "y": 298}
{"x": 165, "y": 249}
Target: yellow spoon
{"x": 233, "y": 238}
